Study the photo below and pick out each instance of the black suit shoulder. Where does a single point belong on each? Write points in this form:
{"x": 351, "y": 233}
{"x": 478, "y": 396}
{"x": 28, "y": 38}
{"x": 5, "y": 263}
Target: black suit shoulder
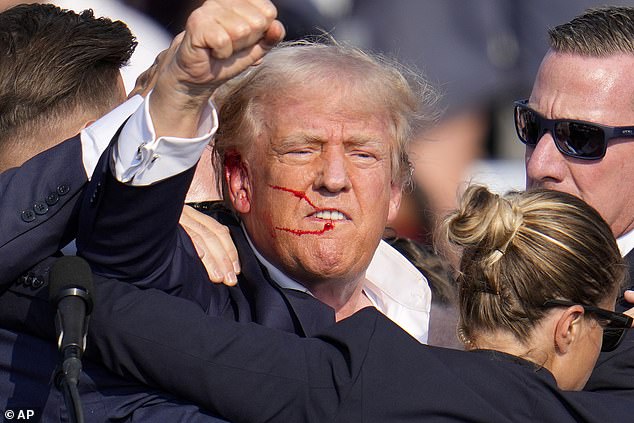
{"x": 614, "y": 371}
{"x": 37, "y": 205}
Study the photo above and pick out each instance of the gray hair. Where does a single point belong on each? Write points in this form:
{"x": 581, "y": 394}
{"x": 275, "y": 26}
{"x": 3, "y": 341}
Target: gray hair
{"x": 408, "y": 98}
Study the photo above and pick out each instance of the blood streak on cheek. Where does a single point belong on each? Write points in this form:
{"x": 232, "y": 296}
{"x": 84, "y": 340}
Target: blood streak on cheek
{"x": 298, "y": 194}
{"x": 328, "y": 226}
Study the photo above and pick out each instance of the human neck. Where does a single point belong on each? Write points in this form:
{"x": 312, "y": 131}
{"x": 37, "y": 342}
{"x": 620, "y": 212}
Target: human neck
{"x": 346, "y": 298}
{"x": 507, "y": 343}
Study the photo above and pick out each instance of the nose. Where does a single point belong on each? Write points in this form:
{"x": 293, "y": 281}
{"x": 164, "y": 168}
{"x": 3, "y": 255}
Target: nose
{"x": 544, "y": 162}
{"x": 333, "y": 174}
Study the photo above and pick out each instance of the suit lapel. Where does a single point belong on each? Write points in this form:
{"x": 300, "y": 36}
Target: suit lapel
{"x": 270, "y": 305}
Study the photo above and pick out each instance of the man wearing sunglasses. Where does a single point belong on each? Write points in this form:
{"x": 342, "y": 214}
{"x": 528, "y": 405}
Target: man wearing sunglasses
{"x": 578, "y": 127}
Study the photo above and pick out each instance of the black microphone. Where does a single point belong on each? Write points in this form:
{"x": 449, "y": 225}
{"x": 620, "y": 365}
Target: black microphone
{"x": 70, "y": 291}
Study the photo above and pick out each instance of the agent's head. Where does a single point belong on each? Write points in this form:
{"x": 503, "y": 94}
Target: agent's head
{"x": 535, "y": 265}
{"x": 588, "y": 75}
{"x": 313, "y": 145}
{"x": 59, "y": 71}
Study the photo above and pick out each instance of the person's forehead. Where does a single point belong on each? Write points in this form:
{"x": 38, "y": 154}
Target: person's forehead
{"x": 330, "y": 112}
{"x": 598, "y": 89}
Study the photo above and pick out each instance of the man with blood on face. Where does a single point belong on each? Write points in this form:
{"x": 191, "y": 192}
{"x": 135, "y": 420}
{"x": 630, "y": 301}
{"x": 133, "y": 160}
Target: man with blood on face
{"x": 315, "y": 189}
{"x": 310, "y": 150}
{"x": 323, "y": 175}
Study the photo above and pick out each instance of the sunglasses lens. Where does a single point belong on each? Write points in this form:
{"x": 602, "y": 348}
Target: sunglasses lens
{"x": 579, "y": 140}
{"x": 527, "y": 125}
{"x": 611, "y": 339}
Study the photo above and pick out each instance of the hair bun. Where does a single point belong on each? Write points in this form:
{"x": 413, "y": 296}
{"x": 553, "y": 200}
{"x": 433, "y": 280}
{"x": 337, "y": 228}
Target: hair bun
{"x": 484, "y": 221}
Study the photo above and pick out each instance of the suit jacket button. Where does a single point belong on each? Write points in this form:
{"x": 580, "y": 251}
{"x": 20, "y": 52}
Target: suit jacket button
{"x": 52, "y": 198}
{"x": 63, "y": 189}
{"x": 27, "y": 215}
{"x": 40, "y": 207}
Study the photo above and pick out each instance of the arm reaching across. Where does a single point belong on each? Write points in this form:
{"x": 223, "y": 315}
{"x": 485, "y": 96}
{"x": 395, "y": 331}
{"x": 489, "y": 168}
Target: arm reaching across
{"x": 222, "y": 39}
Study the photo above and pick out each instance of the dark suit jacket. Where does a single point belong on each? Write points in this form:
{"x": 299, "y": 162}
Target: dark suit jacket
{"x": 37, "y": 205}
{"x": 24, "y": 309}
{"x": 39, "y": 215}
{"x": 614, "y": 371}
{"x": 364, "y": 369}
{"x": 132, "y": 234}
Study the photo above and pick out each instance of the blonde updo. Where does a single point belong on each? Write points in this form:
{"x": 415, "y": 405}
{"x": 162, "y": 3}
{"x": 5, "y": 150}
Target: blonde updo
{"x": 523, "y": 249}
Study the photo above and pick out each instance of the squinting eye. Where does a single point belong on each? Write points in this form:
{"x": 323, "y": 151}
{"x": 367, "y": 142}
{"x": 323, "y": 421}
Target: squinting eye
{"x": 363, "y": 155}
{"x": 299, "y": 152}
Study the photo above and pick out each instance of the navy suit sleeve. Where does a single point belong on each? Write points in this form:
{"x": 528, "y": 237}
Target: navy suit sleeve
{"x": 243, "y": 372}
{"x": 132, "y": 233}
{"x": 37, "y": 205}
{"x": 614, "y": 371}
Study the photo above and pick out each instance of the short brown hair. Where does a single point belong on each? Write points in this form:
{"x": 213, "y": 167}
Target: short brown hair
{"x": 523, "y": 249}
{"x": 597, "y": 32}
{"x": 54, "y": 62}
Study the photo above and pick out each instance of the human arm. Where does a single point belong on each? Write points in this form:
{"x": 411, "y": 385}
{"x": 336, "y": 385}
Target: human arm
{"x": 53, "y": 181}
{"x": 283, "y": 377}
{"x": 214, "y": 48}
{"x": 50, "y": 183}
{"x": 213, "y": 244}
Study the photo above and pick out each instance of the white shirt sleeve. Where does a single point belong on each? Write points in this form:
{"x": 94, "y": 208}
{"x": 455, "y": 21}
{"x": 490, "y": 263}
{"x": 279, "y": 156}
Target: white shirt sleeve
{"x": 141, "y": 159}
{"x": 96, "y": 137}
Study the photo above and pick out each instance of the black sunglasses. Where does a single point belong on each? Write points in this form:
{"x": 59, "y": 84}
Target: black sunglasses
{"x": 614, "y": 324}
{"x": 573, "y": 138}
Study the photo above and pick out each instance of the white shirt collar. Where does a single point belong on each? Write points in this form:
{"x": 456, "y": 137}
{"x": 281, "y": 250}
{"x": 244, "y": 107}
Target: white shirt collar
{"x": 395, "y": 287}
{"x": 626, "y": 243}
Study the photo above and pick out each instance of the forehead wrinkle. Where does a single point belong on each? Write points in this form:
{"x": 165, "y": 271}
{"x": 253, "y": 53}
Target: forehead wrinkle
{"x": 298, "y": 139}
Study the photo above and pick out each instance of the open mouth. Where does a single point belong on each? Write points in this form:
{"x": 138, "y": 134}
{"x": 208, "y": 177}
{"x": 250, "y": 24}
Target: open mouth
{"x": 332, "y": 215}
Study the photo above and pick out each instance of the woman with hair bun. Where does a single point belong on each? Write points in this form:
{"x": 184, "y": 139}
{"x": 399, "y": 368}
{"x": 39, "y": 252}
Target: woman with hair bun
{"x": 535, "y": 267}
{"x": 538, "y": 281}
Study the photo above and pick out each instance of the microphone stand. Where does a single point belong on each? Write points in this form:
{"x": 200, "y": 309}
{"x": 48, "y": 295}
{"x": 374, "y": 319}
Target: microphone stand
{"x": 70, "y": 291}
{"x": 67, "y": 380}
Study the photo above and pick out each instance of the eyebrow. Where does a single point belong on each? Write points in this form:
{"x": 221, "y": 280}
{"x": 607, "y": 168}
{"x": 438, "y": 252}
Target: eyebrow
{"x": 305, "y": 139}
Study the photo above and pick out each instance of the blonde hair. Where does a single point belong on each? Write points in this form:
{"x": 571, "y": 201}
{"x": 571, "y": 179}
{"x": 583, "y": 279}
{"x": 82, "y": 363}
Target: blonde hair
{"x": 523, "y": 249}
{"x": 405, "y": 96}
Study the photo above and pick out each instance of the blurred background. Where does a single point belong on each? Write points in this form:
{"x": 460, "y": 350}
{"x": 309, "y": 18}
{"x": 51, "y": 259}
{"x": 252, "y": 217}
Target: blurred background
{"x": 480, "y": 54}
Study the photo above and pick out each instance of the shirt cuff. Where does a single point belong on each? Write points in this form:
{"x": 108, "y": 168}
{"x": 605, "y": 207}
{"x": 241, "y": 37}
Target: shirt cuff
{"x": 96, "y": 137}
{"x": 141, "y": 159}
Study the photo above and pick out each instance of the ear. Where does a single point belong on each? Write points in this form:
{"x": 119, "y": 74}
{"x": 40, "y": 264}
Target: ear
{"x": 396, "y": 194}
{"x": 238, "y": 182}
{"x": 568, "y": 328}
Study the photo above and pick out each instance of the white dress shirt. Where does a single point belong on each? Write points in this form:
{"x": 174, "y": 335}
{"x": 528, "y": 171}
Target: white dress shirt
{"x": 394, "y": 286}
{"x": 626, "y": 243}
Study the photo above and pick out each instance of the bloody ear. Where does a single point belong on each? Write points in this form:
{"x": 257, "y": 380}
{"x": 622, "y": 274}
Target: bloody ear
{"x": 238, "y": 182}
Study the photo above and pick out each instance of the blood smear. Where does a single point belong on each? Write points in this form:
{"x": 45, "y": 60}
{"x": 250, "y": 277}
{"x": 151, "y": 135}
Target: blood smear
{"x": 328, "y": 226}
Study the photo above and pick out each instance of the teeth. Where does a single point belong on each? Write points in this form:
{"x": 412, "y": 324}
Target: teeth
{"x": 329, "y": 215}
